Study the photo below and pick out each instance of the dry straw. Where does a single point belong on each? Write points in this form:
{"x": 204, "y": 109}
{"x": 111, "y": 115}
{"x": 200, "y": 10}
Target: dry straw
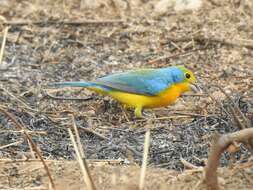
{"x": 144, "y": 160}
{"x": 3, "y": 43}
{"x": 82, "y": 163}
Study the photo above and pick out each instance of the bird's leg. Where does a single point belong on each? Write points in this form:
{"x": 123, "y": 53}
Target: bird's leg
{"x": 138, "y": 112}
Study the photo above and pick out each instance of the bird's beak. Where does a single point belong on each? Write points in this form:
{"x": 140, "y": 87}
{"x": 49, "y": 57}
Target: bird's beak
{"x": 195, "y": 88}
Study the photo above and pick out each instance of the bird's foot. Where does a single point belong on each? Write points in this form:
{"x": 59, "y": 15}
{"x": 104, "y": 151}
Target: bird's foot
{"x": 138, "y": 112}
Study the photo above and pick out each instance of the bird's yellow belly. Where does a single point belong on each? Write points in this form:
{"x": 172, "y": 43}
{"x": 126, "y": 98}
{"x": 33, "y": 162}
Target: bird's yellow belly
{"x": 164, "y": 98}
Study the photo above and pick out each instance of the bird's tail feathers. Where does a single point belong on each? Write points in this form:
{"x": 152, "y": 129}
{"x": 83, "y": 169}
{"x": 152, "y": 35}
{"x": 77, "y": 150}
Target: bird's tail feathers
{"x": 72, "y": 84}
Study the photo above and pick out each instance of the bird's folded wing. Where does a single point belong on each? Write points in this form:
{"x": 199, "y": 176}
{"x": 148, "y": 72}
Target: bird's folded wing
{"x": 148, "y": 82}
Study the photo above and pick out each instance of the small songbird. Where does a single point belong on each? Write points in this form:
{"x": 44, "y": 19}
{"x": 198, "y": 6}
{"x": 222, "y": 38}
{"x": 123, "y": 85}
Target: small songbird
{"x": 142, "y": 88}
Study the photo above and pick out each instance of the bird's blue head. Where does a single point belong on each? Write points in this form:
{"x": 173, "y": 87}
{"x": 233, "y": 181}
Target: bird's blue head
{"x": 184, "y": 77}
{"x": 180, "y": 75}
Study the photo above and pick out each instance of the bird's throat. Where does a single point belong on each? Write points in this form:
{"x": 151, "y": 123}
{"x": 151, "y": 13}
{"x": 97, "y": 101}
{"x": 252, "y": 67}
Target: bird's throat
{"x": 183, "y": 87}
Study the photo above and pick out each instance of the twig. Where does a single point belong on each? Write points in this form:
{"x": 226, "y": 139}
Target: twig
{"x": 219, "y": 145}
{"x": 3, "y": 44}
{"x": 27, "y": 188}
{"x": 213, "y": 2}
{"x": 77, "y": 136}
{"x": 244, "y": 165}
{"x": 134, "y": 151}
{"x": 83, "y": 164}
{"x": 188, "y": 165}
{"x": 18, "y": 100}
{"x": 164, "y": 118}
{"x": 110, "y": 162}
{"x": 166, "y": 57}
{"x": 240, "y": 125}
{"x": 246, "y": 121}
{"x": 31, "y": 148}
{"x": 214, "y": 99}
{"x": 174, "y": 117}
{"x": 212, "y": 40}
{"x": 73, "y": 23}
{"x": 144, "y": 160}
{"x": 29, "y": 132}
{"x": 11, "y": 144}
{"x": 93, "y": 132}
{"x": 195, "y": 94}
{"x": 63, "y": 98}
{"x": 234, "y": 116}
{"x": 34, "y": 146}
{"x": 189, "y": 114}
{"x": 248, "y": 177}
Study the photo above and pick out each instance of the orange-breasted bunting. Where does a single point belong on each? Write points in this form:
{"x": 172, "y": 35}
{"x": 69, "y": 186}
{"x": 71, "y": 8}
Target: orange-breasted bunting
{"x": 142, "y": 88}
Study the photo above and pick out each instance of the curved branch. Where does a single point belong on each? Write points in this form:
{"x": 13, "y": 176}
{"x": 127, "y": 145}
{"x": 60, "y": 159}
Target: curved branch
{"x": 219, "y": 145}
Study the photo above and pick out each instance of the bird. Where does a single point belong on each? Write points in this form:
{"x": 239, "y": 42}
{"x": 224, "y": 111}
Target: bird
{"x": 141, "y": 88}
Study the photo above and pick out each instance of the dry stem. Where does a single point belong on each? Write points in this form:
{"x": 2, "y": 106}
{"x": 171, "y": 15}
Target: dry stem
{"x": 188, "y": 165}
{"x": 83, "y": 164}
{"x": 219, "y": 145}
{"x": 166, "y": 57}
{"x": 3, "y": 44}
{"x": 80, "y": 22}
{"x": 66, "y": 98}
{"x": 145, "y": 159}
{"x": 212, "y": 40}
{"x": 80, "y": 147}
{"x": 11, "y": 144}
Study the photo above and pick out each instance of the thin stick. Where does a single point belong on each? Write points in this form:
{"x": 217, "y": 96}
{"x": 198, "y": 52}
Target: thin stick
{"x": 166, "y": 57}
{"x": 93, "y": 132}
{"x": 31, "y": 149}
{"x": 246, "y": 121}
{"x": 188, "y": 165}
{"x": 28, "y": 188}
{"x": 80, "y": 22}
{"x": 77, "y": 137}
{"x": 3, "y": 44}
{"x": 82, "y": 163}
{"x": 34, "y": 146}
{"x": 240, "y": 124}
{"x": 29, "y": 132}
{"x": 145, "y": 159}
{"x": 164, "y": 118}
{"x": 11, "y": 144}
{"x": 65, "y": 98}
{"x": 188, "y": 114}
{"x": 199, "y": 95}
{"x": 244, "y": 165}
{"x": 215, "y": 100}
{"x": 92, "y": 161}
{"x": 211, "y": 40}
{"x": 18, "y": 100}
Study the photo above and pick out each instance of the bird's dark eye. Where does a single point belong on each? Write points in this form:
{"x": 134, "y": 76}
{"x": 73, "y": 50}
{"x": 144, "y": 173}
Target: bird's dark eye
{"x": 187, "y": 75}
